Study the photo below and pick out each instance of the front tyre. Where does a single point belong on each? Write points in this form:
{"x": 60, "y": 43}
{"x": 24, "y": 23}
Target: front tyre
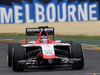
{"x": 76, "y": 52}
{"x": 10, "y": 46}
{"x": 18, "y": 54}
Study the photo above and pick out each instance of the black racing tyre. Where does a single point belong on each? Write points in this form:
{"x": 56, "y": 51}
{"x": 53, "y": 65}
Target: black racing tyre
{"x": 70, "y": 42}
{"x": 10, "y": 46}
{"x": 77, "y": 52}
{"x": 18, "y": 54}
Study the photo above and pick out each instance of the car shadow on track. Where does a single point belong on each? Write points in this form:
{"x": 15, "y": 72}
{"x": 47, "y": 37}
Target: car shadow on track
{"x": 51, "y": 70}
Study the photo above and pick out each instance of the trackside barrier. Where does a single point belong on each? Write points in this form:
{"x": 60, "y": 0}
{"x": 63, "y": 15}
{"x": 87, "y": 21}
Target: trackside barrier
{"x": 53, "y": 11}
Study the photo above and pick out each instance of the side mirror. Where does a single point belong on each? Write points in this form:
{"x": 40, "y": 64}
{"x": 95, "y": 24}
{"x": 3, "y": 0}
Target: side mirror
{"x": 31, "y": 42}
{"x": 58, "y": 41}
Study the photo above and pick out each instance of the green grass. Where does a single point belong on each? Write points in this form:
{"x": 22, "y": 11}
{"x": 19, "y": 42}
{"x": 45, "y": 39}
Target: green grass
{"x": 79, "y": 37}
{"x": 56, "y": 36}
{"x": 12, "y": 35}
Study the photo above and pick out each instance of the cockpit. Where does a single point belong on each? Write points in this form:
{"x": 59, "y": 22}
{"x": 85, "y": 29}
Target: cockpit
{"x": 44, "y": 39}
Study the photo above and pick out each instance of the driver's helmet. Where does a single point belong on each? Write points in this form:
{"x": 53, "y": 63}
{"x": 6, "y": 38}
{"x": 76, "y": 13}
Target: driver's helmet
{"x": 44, "y": 39}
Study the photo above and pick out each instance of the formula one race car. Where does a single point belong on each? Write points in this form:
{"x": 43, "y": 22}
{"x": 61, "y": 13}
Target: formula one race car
{"x": 44, "y": 52}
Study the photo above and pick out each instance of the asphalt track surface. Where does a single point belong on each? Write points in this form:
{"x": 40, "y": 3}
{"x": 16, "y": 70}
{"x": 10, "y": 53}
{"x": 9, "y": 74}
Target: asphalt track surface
{"x": 92, "y": 65}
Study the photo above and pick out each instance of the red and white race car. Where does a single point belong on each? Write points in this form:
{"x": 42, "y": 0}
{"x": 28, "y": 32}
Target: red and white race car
{"x": 44, "y": 52}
